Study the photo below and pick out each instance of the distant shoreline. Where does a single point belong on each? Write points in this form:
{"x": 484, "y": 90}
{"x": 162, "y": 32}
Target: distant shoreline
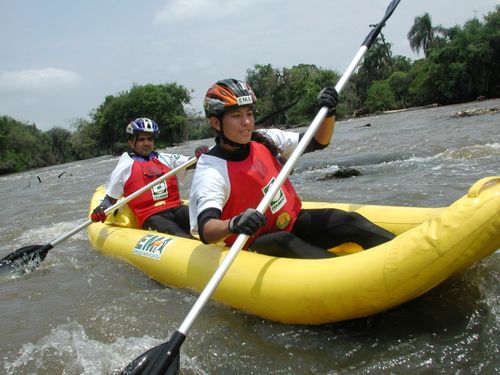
{"x": 486, "y": 109}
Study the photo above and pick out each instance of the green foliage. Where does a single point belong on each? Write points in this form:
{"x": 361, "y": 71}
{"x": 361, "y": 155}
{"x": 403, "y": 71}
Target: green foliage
{"x": 276, "y": 89}
{"x": 491, "y": 33}
{"x": 421, "y": 89}
{"x": 267, "y": 84}
{"x": 377, "y": 65}
{"x": 61, "y": 150}
{"x": 84, "y": 139}
{"x": 399, "y": 83}
{"x": 199, "y": 128}
{"x": 425, "y": 36}
{"x": 162, "y": 103}
{"x": 401, "y": 64}
{"x": 22, "y": 146}
{"x": 463, "y": 66}
{"x": 380, "y": 96}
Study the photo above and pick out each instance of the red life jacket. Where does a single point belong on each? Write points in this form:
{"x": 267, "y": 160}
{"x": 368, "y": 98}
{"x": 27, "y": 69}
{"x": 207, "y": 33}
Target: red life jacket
{"x": 249, "y": 179}
{"x": 161, "y": 197}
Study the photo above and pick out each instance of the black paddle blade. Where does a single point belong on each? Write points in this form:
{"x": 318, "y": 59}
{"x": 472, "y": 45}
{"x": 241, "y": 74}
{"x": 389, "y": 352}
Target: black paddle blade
{"x": 150, "y": 362}
{"x": 25, "y": 259}
{"x": 378, "y": 27}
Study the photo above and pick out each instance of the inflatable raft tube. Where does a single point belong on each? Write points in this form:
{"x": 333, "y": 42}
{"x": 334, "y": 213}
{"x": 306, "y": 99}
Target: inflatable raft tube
{"x": 432, "y": 244}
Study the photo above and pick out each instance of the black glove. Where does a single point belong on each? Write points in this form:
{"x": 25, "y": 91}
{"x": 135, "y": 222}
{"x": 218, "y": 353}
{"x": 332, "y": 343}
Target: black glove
{"x": 248, "y": 222}
{"x": 328, "y": 97}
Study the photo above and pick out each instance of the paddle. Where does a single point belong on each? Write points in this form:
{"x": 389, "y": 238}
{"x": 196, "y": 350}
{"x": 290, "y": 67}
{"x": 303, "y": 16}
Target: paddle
{"x": 164, "y": 358}
{"x": 28, "y": 258}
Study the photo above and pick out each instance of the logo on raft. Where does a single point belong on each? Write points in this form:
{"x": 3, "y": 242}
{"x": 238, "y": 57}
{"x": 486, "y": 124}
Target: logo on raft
{"x": 151, "y": 246}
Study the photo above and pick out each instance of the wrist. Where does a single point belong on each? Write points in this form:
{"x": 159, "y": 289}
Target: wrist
{"x": 331, "y": 112}
{"x": 230, "y": 225}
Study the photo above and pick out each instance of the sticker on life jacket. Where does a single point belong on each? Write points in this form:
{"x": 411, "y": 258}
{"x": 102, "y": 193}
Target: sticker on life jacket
{"x": 279, "y": 199}
{"x": 160, "y": 191}
{"x": 152, "y": 246}
{"x": 283, "y": 220}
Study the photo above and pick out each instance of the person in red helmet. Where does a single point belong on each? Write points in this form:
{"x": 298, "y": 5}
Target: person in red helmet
{"x": 159, "y": 209}
{"x": 231, "y": 179}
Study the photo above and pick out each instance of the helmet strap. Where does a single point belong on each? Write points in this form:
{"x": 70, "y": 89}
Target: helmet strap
{"x": 228, "y": 142}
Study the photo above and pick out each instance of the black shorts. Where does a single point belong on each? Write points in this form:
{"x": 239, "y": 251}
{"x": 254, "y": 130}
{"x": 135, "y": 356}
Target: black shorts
{"x": 317, "y": 230}
{"x": 172, "y": 221}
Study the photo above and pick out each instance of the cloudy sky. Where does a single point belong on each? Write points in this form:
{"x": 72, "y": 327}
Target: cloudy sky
{"x": 60, "y": 58}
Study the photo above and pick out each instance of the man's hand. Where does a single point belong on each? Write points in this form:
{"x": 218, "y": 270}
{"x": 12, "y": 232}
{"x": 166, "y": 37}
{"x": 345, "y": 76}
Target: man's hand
{"x": 200, "y": 150}
{"x": 98, "y": 214}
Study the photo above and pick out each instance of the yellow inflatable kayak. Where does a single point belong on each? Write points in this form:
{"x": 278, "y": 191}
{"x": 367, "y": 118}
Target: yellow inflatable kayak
{"x": 431, "y": 245}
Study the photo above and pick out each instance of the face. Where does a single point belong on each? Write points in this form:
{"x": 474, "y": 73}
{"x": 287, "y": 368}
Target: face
{"x": 143, "y": 144}
{"x": 238, "y": 124}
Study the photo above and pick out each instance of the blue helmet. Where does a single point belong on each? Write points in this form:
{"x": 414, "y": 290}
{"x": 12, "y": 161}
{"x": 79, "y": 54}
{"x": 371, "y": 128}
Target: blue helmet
{"x": 143, "y": 125}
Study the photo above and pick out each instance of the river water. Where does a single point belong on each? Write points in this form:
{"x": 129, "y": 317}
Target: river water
{"x": 84, "y": 313}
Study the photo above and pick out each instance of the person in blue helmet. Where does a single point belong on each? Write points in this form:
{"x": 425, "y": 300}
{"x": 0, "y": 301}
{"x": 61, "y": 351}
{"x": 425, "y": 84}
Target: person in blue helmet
{"x": 160, "y": 208}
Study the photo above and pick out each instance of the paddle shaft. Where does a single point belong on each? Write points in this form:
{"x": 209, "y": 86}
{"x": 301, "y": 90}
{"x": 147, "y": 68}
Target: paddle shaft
{"x": 125, "y": 200}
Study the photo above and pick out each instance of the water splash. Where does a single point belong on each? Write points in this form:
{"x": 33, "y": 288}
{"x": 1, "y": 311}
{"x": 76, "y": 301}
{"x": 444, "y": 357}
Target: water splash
{"x": 69, "y": 349}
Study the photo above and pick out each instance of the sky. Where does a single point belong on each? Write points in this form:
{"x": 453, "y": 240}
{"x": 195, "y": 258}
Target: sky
{"x": 60, "y": 58}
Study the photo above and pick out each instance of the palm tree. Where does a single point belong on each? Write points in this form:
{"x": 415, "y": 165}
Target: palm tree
{"x": 423, "y": 36}
{"x": 377, "y": 65}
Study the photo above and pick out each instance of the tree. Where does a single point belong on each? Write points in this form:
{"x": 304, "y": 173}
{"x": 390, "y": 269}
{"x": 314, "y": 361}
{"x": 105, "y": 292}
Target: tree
{"x": 23, "y": 146}
{"x": 401, "y": 63}
{"x": 424, "y": 36}
{"x": 85, "y": 139}
{"x": 302, "y": 84}
{"x": 380, "y": 97}
{"x": 267, "y": 84}
{"x": 277, "y": 89}
{"x": 162, "y": 103}
{"x": 464, "y": 68}
{"x": 61, "y": 148}
{"x": 377, "y": 65}
{"x": 400, "y": 83}
{"x": 491, "y": 33}
{"x": 421, "y": 90}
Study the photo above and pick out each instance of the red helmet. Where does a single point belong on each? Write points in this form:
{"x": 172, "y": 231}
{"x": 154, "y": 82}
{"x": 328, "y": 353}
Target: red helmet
{"x": 228, "y": 94}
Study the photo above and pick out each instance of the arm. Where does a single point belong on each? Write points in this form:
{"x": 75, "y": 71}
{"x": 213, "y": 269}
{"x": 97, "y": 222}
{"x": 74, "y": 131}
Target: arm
{"x": 212, "y": 229}
{"x": 287, "y": 141}
{"x": 328, "y": 97}
{"x": 114, "y": 187}
{"x": 325, "y": 131}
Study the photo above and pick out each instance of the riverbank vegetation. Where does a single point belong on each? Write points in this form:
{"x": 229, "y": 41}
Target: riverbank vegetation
{"x": 460, "y": 64}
